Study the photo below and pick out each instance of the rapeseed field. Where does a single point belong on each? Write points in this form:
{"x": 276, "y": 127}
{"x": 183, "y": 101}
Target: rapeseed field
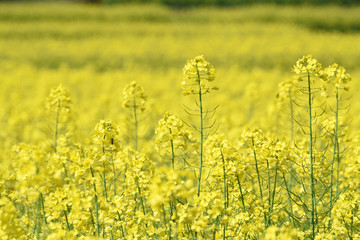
{"x": 146, "y": 122}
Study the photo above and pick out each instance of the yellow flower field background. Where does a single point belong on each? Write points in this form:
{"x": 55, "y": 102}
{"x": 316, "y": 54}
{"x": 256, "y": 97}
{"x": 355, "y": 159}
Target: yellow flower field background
{"x": 146, "y": 122}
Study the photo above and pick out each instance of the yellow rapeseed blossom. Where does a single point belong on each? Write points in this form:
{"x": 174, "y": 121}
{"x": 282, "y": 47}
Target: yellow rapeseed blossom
{"x": 308, "y": 64}
{"x": 59, "y": 101}
{"x": 338, "y": 74}
{"x": 134, "y": 96}
{"x": 197, "y": 74}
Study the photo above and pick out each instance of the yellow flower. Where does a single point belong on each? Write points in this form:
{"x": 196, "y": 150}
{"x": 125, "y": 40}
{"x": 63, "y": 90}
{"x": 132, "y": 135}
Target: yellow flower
{"x": 134, "y": 96}
{"x": 196, "y": 73}
{"x": 307, "y": 64}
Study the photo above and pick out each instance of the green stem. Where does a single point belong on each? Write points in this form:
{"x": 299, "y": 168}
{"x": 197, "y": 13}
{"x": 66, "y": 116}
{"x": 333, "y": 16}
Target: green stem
{"x": 273, "y": 194}
{"x": 104, "y": 181}
{"x": 114, "y": 173}
{"x": 172, "y": 152}
{"x": 337, "y": 170}
{"x": 269, "y": 191}
{"x": 103, "y": 165}
{"x": 111, "y": 235}
{"x": 288, "y": 190}
{"x": 135, "y": 126}
{"x": 333, "y": 157}
{"x": 141, "y": 198}
{"x": 312, "y": 185}
{"x": 257, "y": 169}
{"x": 241, "y": 193}
{"x": 292, "y": 117}
{"x": 170, "y": 215}
{"x": 225, "y": 196}
{"x": 43, "y": 207}
{"x": 201, "y": 133}
{"x": 96, "y": 206}
{"x": 67, "y": 221}
{"x": 258, "y": 177}
{"x": 57, "y": 126}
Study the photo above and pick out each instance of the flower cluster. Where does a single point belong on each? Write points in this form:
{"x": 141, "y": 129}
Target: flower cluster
{"x": 339, "y": 75}
{"x": 134, "y": 96}
{"x": 59, "y": 100}
{"x": 197, "y": 73}
{"x": 308, "y": 64}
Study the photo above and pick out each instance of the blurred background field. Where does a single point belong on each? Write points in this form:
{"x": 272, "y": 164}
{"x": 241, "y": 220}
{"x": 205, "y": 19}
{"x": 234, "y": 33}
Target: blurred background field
{"x": 95, "y": 50}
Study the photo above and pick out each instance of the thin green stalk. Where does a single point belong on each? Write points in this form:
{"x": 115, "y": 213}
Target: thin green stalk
{"x": 258, "y": 177}
{"x": 114, "y": 173}
{"x": 257, "y": 169}
{"x": 333, "y": 157}
{"x": 241, "y": 194}
{"x": 201, "y": 133}
{"x": 135, "y": 126}
{"x": 170, "y": 215}
{"x": 43, "y": 207}
{"x": 269, "y": 191}
{"x": 273, "y": 195}
{"x": 92, "y": 218}
{"x": 337, "y": 170}
{"x": 104, "y": 181}
{"x": 96, "y": 206}
{"x": 292, "y": 117}
{"x": 288, "y": 190}
{"x": 172, "y": 152}
{"x": 36, "y": 219}
{"x": 312, "y": 185}
{"x": 225, "y": 196}
{"x": 57, "y": 126}
{"x": 141, "y": 198}
{"x": 111, "y": 235}
{"x": 224, "y": 180}
{"x": 67, "y": 221}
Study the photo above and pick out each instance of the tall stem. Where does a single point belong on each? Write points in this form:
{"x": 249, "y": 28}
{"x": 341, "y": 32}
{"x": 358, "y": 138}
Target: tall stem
{"x": 170, "y": 216}
{"x": 225, "y": 191}
{"x": 291, "y": 117}
{"x": 201, "y": 134}
{"x": 114, "y": 173}
{"x": 135, "y": 126}
{"x": 269, "y": 192}
{"x": 57, "y": 126}
{"x": 43, "y": 207}
{"x": 334, "y": 156}
{"x": 241, "y": 193}
{"x": 257, "y": 169}
{"x": 312, "y": 186}
{"x": 96, "y": 206}
{"x": 172, "y": 152}
{"x": 258, "y": 178}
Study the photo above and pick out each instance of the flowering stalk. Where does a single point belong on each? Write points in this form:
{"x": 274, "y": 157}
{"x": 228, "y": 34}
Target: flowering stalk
{"x": 56, "y": 126}
{"x": 312, "y": 185}
{"x": 195, "y": 72}
{"x": 335, "y": 154}
{"x": 58, "y": 102}
{"x": 307, "y": 65}
{"x": 338, "y": 76}
{"x": 201, "y": 133}
{"x": 96, "y": 206}
{"x": 134, "y": 98}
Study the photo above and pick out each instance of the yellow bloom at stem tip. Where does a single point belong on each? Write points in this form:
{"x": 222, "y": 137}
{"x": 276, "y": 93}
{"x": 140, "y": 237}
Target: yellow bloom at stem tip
{"x": 197, "y": 73}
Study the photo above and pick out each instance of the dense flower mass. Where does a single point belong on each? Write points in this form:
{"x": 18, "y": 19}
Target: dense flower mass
{"x": 256, "y": 186}
{"x": 269, "y": 157}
